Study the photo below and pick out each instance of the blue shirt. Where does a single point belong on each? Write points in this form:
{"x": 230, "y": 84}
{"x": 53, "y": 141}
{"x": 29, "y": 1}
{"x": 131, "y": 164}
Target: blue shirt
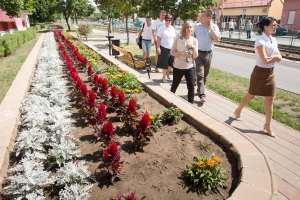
{"x": 204, "y": 37}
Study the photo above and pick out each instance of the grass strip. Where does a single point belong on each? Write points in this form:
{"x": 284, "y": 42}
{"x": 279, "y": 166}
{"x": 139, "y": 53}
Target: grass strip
{"x": 11, "y": 65}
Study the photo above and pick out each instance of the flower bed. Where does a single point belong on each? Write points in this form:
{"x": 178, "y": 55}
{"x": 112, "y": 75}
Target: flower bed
{"x": 114, "y": 131}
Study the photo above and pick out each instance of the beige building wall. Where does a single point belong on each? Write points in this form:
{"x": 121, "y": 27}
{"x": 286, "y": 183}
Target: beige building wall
{"x": 261, "y": 10}
{"x": 276, "y": 9}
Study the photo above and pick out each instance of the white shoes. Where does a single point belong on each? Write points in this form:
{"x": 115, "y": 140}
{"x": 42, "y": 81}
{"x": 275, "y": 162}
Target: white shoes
{"x": 164, "y": 80}
{"x": 156, "y": 70}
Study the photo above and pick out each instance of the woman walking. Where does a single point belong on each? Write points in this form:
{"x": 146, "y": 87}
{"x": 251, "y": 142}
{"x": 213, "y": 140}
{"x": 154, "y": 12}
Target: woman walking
{"x": 262, "y": 81}
{"x": 165, "y": 38}
{"x": 185, "y": 50}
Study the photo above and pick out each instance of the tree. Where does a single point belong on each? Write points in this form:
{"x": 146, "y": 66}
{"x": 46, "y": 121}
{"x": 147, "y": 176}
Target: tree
{"x": 44, "y": 10}
{"x": 66, "y": 8}
{"x": 127, "y": 7}
{"x": 185, "y": 9}
{"x": 14, "y": 7}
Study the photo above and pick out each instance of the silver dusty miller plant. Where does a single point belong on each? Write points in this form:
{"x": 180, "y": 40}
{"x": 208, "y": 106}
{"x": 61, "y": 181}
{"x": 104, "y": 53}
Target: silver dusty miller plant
{"x": 46, "y": 126}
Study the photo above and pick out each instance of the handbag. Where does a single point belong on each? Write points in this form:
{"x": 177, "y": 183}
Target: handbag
{"x": 141, "y": 38}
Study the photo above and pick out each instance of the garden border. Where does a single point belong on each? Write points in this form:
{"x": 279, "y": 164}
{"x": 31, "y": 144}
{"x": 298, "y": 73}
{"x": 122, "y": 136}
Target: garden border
{"x": 257, "y": 179}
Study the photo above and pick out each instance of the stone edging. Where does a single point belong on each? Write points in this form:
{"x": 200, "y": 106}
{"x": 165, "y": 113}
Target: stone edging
{"x": 257, "y": 180}
{"x": 10, "y": 107}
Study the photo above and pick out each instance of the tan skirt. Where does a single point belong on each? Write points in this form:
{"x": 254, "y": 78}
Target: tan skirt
{"x": 262, "y": 82}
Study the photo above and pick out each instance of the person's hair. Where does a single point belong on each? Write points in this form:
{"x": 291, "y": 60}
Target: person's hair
{"x": 168, "y": 16}
{"x": 148, "y": 17}
{"x": 184, "y": 27}
{"x": 207, "y": 12}
{"x": 162, "y": 11}
{"x": 265, "y": 21}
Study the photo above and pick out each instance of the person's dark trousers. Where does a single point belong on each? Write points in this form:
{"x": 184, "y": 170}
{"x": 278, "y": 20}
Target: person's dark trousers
{"x": 249, "y": 34}
{"x": 203, "y": 62}
{"x": 190, "y": 81}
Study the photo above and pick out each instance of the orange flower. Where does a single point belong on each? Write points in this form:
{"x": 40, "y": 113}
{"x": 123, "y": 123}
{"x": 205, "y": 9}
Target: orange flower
{"x": 200, "y": 164}
{"x": 211, "y": 163}
{"x": 217, "y": 159}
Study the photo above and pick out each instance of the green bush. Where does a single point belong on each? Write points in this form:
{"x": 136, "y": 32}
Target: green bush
{"x": 42, "y": 25}
{"x": 10, "y": 42}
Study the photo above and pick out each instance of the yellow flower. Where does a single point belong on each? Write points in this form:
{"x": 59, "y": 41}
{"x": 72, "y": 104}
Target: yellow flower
{"x": 124, "y": 70}
{"x": 177, "y": 109}
{"x": 107, "y": 73}
{"x": 127, "y": 91}
{"x": 114, "y": 77}
{"x": 136, "y": 90}
{"x": 217, "y": 159}
{"x": 146, "y": 94}
{"x": 201, "y": 164}
{"x": 158, "y": 114}
{"x": 151, "y": 117}
{"x": 210, "y": 163}
{"x": 120, "y": 75}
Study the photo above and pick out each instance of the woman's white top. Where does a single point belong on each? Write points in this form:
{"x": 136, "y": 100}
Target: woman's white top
{"x": 179, "y": 46}
{"x": 270, "y": 47}
{"x": 167, "y": 35}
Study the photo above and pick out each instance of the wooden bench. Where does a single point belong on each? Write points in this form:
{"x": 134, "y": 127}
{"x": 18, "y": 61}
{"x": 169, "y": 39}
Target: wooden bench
{"x": 129, "y": 59}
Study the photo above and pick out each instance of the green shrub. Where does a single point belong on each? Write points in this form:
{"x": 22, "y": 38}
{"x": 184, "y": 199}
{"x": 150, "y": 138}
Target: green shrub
{"x": 2, "y": 48}
{"x": 37, "y": 27}
{"x": 84, "y": 29}
{"x": 10, "y": 43}
{"x": 42, "y": 25}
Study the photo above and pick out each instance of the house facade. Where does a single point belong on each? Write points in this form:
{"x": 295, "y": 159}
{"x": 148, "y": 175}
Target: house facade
{"x": 291, "y": 14}
{"x": 9, "y": 24}
{"x": 243, "y": 10}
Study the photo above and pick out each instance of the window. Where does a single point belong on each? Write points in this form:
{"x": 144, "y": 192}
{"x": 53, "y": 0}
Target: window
{"x": 291, "y": 17}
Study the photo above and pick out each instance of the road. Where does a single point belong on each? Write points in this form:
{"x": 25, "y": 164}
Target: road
{"x": 240, "y": 63}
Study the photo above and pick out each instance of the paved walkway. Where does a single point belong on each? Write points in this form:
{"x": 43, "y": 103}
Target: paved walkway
{"x": 283, "y": 151}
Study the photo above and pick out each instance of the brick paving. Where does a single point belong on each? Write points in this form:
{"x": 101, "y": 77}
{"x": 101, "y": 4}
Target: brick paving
{"x": 283, "y": 151}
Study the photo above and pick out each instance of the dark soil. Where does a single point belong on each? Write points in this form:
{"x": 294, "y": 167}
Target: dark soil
{"x": 155, "y": 171}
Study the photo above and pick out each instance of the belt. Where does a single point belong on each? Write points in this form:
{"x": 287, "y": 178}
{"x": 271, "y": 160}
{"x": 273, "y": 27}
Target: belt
{"x": 204, "y": 51}
{"x": 146, "y": 40}
{"x": 270, "y": 69}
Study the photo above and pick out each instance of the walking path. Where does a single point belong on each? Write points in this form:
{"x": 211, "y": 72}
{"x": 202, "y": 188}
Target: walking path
{"x": 283, "y": 151}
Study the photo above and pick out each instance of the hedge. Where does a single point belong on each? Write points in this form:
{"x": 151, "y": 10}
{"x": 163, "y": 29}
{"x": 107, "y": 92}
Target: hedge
{"x": 10, "y": 42}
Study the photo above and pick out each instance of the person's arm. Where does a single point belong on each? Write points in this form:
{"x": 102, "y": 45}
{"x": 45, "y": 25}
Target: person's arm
{"x": 215, "y": 34}
{"x": 263, "y": 55}
{"x": 139, "y": 35}
{"x": 158, "y": 45}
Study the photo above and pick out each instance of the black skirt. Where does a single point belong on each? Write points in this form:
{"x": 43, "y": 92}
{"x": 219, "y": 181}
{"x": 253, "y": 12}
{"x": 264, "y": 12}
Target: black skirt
{"x": 165, "y": 59}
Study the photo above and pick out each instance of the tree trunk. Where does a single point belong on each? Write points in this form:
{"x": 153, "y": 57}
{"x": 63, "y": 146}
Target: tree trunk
{"x": 67, "y": 21}
{"x": 76, "y": 20}
{"x": 126, "y": 19}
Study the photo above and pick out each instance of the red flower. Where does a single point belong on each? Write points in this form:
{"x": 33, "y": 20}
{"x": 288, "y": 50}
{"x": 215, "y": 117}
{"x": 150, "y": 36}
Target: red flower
{"x": 83, "y": 89}
{"x": 102, "y": 111}
{"x": 108, "y": 131}
{"x": 104, "y": 85}
{"x": 93, "y": 122}
{"x": 90, "y": 70}
{"x": 78, "y": 82}
{"x": 132, "y": 106}
{"x": 144, "y": 123}
{"x": 121, "y": 95}
{"x": 106, "y": 156}
{"x": 95, "y": 77}
{"x": 116, "y": 165}
{"x": 113, "y": 91}
{"x": 92, "y": 96}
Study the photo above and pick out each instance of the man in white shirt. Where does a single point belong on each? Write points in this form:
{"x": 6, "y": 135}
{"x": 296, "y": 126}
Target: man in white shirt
{"x": 155, "y": 26}
{"x": 146, "y": 31}
{"x": 231, "y": 26}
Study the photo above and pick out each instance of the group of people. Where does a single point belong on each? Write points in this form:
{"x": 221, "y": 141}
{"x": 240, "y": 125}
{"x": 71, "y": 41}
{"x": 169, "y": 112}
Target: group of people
{"x": 190, "y": 54}
{"x": 232, "y": 26}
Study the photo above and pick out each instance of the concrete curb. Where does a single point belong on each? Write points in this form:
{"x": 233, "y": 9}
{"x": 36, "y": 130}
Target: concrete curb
{"x": 10, "y": 107}
{"x": 257, "y": 178}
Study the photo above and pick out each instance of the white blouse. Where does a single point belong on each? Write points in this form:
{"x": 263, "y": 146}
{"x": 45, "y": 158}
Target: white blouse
{"x": 270, "y": 47}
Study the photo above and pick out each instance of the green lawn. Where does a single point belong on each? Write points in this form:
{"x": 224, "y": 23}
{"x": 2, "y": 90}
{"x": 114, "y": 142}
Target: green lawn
{"x": 11, "y": 65}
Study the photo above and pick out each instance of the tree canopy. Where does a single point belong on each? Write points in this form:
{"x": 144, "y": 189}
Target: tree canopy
{"x": 14, "y": 7}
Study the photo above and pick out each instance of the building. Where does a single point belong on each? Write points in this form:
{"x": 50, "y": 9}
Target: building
{"x": 9, "y": 24}
{"x": 243, "y": 10}
{"x": 291, "y": 14}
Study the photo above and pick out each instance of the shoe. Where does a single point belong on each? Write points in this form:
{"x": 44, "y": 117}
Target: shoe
{"x": 168, "y": 76}
{"x": 164, "y": 80}
{"x": 156, "y": 70}
{"x": 269, "y": 131}
{"x": 202, "y": 99}
{"x": 237, "y": 116}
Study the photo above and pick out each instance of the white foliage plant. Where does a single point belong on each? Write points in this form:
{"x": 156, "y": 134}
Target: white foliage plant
{"x": 45, "y": 136}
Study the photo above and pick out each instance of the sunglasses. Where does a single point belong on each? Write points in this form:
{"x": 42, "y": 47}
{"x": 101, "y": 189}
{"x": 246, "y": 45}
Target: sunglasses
{"x": 168, "y": 20}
